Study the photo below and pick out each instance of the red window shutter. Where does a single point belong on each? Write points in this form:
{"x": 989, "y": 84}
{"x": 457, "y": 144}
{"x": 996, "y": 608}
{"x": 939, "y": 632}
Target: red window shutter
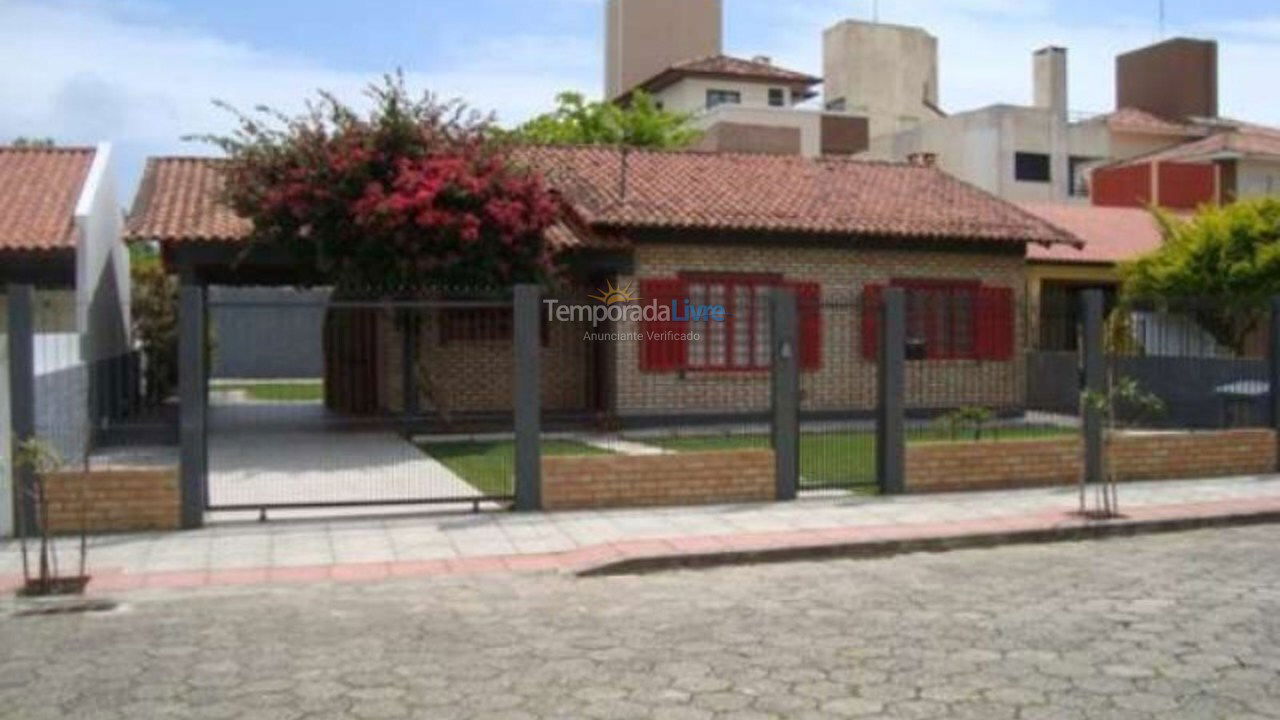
{"x": 657, "y": 354}
{"x": 871, "y": 301}
{"x": 994, "y": 323}
{"x": 809, "y": 312}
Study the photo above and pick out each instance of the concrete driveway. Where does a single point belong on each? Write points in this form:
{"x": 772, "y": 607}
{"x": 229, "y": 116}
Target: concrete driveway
{"x": 278, "y": 453}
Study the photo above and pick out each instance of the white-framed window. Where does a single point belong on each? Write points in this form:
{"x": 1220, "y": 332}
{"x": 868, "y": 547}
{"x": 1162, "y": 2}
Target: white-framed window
{"x": 715, "y": 98}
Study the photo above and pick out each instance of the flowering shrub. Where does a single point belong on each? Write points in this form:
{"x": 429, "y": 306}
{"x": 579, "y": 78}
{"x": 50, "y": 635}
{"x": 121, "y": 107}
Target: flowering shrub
{"x": 413, "y": 196}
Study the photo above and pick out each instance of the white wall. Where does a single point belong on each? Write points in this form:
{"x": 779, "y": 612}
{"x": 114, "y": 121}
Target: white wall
{"x": 979, "y": 147}
{"x": 690, "y": 94}
{"x": 1255, "y": 178}
{"x": 102, "y": 263}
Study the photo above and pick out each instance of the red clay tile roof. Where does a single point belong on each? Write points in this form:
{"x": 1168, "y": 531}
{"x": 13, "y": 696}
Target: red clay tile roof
{"x": 728, "y": 67}
{"x": 680, "y": 190}
{"x": 1248, "y": 140}
{"x": 178, "y": 201}
{"x": 1135, "y": 120}
{"x": 781, "y": 193}
{"x": 1110, "y": 234}
{"x": 39, "y": 189}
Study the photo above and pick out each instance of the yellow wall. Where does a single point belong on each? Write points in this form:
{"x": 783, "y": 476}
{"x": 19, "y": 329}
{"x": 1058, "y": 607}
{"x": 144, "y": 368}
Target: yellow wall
{"x": 1040, "y": 272}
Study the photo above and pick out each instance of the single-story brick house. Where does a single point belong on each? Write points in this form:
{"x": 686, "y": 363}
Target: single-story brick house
{"x": 711, "y": 227}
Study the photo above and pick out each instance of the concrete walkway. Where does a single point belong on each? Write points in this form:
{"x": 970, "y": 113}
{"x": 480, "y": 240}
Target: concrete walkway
{"x": 283, "y": 551}
{"x": 271, "y": 453}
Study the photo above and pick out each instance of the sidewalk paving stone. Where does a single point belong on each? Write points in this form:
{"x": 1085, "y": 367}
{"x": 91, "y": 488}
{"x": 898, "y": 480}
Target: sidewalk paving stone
{"x": 364, "y": 549}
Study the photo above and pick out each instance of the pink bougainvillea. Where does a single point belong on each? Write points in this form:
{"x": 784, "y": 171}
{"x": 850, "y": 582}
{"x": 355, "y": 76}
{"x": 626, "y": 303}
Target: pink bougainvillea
{"x": 413, "y": 196}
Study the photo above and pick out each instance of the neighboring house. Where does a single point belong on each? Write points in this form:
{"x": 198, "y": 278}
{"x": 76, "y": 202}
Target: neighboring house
{"x": 711, "y": 227}
{"x": 1057, "y": 274}
{"x": 673, "y": 49}
{"x": 1039, "y": 153}
{"x": 750, "y": 106}
{"x": 60, "y": 231}
{"x": 1236, "y": 161}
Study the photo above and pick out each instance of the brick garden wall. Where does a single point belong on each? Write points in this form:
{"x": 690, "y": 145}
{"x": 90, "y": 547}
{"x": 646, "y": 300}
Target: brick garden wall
{"x": 113, "y": 500}
{"x": 935, "y": 467}
{"x": 603, "y": 481}
{"x": 846, "y": 380}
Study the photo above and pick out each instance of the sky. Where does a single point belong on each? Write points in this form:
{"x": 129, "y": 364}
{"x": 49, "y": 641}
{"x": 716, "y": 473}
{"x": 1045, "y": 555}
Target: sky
{"x": 144, "y": 73}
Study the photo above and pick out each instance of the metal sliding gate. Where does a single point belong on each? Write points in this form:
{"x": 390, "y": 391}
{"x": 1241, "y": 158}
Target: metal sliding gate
{"x": 315, "y": 402}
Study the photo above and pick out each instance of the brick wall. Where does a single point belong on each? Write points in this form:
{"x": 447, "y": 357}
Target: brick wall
{"x": 113, "y": 500}
{"x": 603, "y": 481}
{"x": 479, "y": 375}
{"x": 933, "y": 467}
{"x": 846, "y": 380}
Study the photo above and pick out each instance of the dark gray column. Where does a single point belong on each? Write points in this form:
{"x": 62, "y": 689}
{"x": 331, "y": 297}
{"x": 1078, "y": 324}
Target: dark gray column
{"x": 891, "y": 451}
{"x": 1093, "y": 374}
{"x": 22, "y": 396}
{"x": 528, "y": 410}
{"x": 786, "y": 395}
{"x": 193, "y": 400}
{"x": 1273, "y": 351}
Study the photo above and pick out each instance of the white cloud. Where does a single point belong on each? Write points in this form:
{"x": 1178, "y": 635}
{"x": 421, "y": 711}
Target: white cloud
{"x": 81, "y": 72}
{"x": 136, "y": 73}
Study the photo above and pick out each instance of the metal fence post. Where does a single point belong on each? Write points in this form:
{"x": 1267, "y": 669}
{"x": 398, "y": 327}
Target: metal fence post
{"x": 786, "y": 395}
{"x": 22, "y": 396}
{"x": 1094, "y": 379}
{"x": 192, "y": 380}
{"x": 528, "y": 346}
{"x": 1273, "y": 356}
{"x": 891, "y": 406}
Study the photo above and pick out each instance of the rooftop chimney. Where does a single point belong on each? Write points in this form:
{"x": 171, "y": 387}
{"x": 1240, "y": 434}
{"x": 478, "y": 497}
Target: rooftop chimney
{"x": 1049, "y": 79}
{"x": 1174, "y": 79}
{"x": 763, "y": 59}
{"x": 922, "y": 159}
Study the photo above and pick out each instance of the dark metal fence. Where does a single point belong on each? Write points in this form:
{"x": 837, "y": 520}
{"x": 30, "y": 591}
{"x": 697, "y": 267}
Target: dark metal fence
{"x": 413, "y": 402}
{"x": 402, "y": 402}
{"x": 1167, "y": 352}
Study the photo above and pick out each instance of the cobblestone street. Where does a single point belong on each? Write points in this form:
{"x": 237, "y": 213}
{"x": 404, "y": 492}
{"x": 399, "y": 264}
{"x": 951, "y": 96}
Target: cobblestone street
{"x": 1184, "y": 625}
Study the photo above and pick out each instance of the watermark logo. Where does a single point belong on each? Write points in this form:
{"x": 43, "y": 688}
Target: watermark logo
{"x": 611, "y": 295}
{"x": 614, "y": 304}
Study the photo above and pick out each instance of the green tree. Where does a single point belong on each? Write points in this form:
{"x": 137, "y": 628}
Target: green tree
{"x": 1220, "y": 266}
{"x": 155, "y": 319}
{"x": 577, "y": 121}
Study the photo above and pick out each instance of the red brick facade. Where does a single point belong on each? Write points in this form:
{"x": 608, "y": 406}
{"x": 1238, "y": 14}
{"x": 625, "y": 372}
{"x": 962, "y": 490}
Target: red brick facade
{"x": 476, "y": 375}
{"x": 844, "y": 379}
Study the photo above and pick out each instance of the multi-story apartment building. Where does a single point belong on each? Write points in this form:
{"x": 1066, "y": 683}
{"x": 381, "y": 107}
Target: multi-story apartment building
{"x": 673, "y": 49}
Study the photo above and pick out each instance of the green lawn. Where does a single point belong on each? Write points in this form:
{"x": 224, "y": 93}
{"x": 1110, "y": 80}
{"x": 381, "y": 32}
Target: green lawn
{"x": 280, "y": 391}
{"x": 844, "y": 458}
{"x": 489, "y": 466}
